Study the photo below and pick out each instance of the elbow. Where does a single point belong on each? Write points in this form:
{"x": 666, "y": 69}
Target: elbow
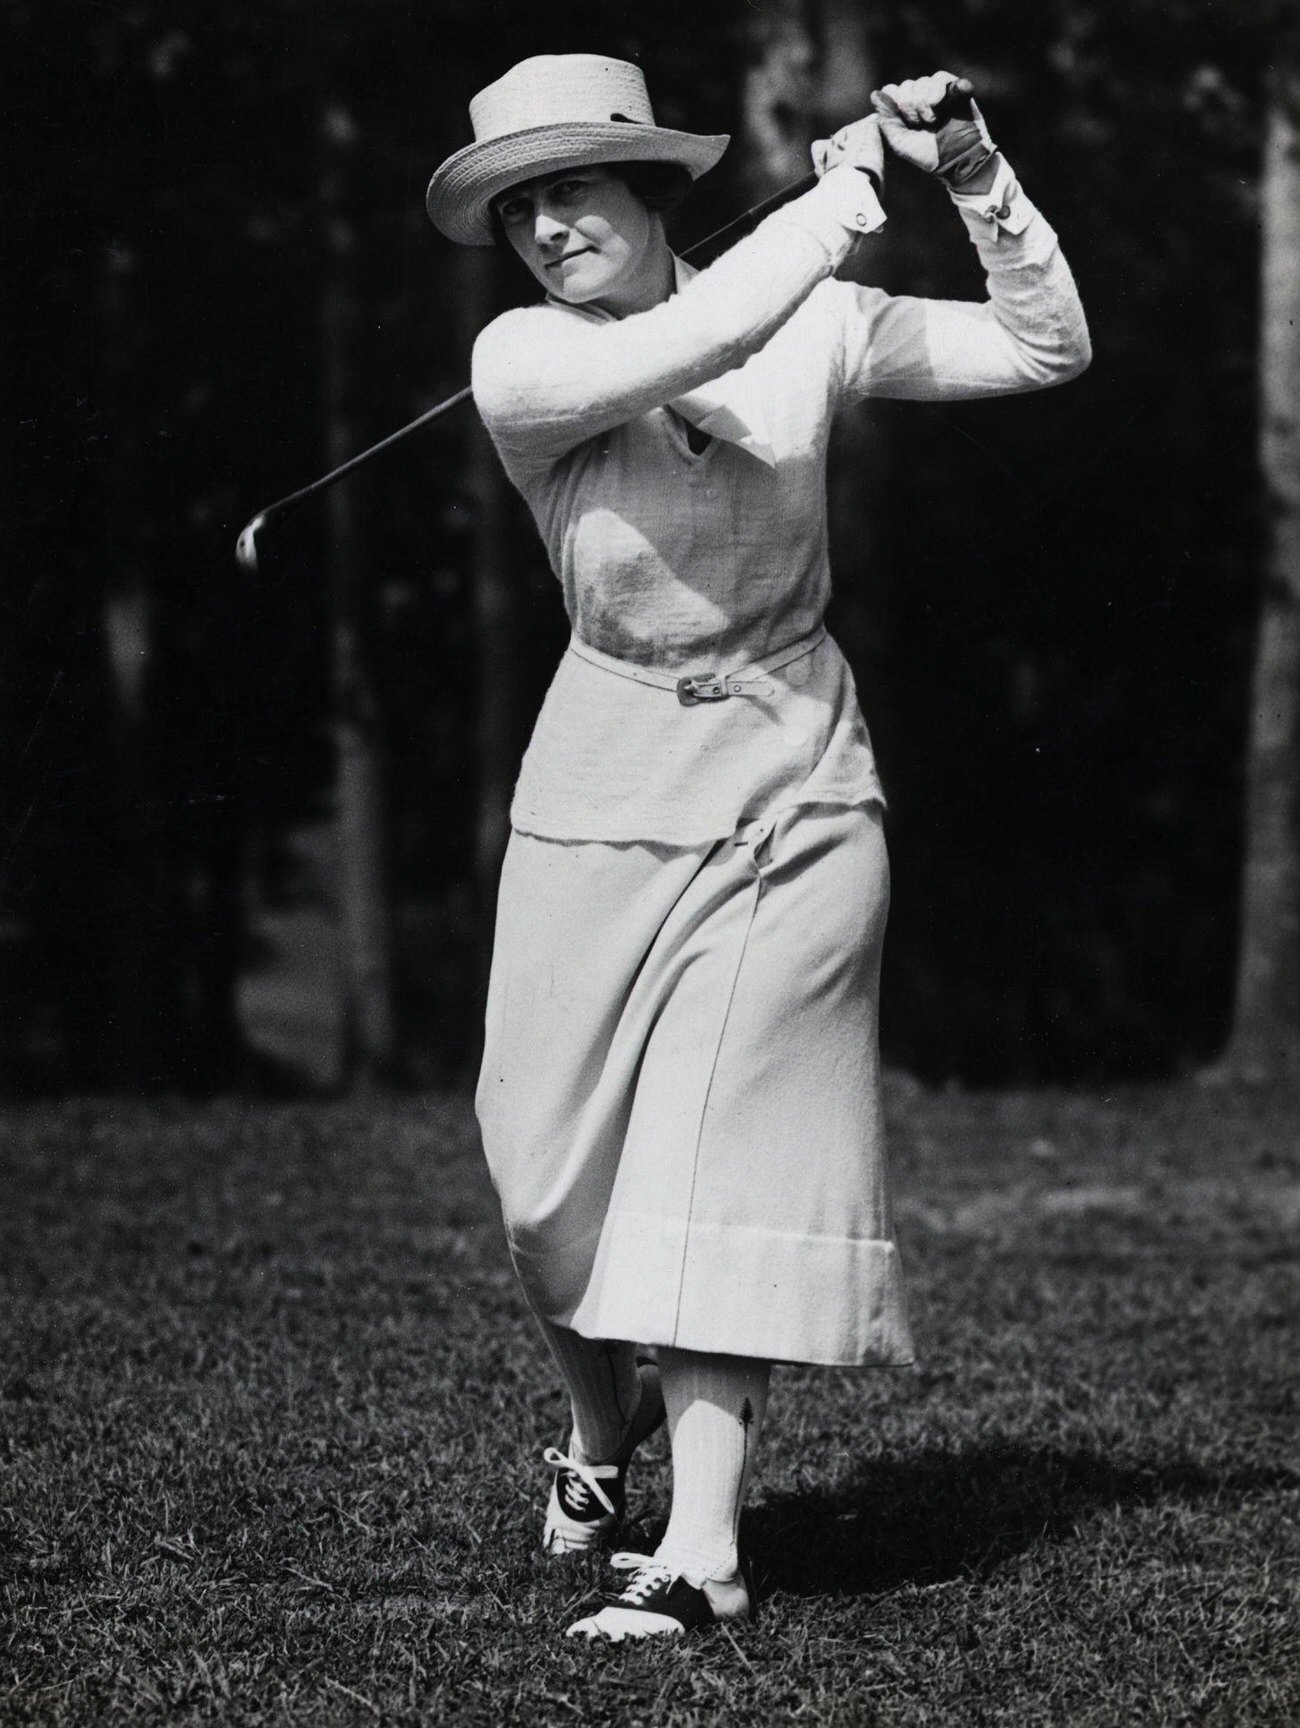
{"x": 1045, "y": 368}
{"x": 1067, "y": 358}
{"x": 1077, "y": 359}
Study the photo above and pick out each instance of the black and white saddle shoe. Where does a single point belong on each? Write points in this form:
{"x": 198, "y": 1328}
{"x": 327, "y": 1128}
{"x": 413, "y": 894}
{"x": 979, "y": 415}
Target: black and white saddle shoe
{"x": 588, "y": 1500}
{"x": 659, "y": 1603}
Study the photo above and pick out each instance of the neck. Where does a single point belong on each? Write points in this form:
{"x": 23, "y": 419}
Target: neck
{"x": 653, "y": 283}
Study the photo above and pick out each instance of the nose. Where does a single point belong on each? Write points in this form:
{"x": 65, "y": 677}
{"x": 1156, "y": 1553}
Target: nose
{"x": 548, "y": 229}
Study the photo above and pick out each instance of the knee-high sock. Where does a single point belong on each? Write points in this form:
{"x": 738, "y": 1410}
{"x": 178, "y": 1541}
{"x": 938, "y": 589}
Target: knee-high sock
{"x": 716, "y": 1406}
{"x": 604, "y": 1389}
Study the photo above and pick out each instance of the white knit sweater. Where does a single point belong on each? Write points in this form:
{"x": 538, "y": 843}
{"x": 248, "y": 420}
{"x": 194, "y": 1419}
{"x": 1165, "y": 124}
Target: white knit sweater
{"x": 695, "y": 563}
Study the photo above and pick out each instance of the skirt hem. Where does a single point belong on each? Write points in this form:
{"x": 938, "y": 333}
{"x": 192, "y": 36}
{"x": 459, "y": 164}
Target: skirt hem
{"x": 819, "y": 1300}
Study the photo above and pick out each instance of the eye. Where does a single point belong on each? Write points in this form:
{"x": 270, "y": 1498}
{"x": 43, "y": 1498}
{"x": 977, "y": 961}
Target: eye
{"x": 568, "y": 188}
{"x": 513, "y": 211}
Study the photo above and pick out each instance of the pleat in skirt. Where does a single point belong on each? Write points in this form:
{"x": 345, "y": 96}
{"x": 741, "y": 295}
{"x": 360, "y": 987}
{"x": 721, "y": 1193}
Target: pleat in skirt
{"x": 680, "y": 1092}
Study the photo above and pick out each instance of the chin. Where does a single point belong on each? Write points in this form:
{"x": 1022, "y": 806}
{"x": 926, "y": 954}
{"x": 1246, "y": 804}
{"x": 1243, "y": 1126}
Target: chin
{"x": 586, "y": 286}
{"x": 580, "y": 296}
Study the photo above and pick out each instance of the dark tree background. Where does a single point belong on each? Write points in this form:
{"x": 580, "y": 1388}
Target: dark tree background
{"x": 1050, "y": 610}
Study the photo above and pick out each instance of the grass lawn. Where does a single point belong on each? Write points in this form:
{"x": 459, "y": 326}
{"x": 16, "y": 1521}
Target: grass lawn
{"x": 271, "y": 1414}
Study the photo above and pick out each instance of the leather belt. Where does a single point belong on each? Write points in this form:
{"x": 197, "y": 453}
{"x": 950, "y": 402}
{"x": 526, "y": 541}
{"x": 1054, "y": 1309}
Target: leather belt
{"x": 696, "y": 687}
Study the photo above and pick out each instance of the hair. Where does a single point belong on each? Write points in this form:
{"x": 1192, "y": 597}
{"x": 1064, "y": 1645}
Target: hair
{"x": 661, "y": 187}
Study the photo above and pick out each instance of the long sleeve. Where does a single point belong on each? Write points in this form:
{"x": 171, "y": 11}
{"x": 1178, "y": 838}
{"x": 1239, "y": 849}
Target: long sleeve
{"x": 1030, "y": 333}
{"x": 545, "y": 381}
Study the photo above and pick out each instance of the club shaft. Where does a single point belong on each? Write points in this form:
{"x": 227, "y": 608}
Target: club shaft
{"x": 283, "y": 506}
{"x": 755, "y": 213}
{"x": 301, "y": 496}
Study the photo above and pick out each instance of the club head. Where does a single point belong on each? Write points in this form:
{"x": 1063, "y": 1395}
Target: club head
{"x": 246, "y": 546}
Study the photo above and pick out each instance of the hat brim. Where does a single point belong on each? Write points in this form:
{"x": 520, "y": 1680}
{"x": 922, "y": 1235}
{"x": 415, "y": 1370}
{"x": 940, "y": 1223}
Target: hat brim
{"x": 460, "y": 194}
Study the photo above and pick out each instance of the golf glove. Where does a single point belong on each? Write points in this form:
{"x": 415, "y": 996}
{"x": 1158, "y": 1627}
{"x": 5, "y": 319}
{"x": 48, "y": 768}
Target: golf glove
{"x": 934, "y": 124}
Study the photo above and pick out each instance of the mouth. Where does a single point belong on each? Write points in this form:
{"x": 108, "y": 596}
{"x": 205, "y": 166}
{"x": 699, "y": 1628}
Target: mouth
{"x": 578, "y": 251}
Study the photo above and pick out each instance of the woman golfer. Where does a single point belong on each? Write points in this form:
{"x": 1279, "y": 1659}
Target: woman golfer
{"x": 680, "y": 1096}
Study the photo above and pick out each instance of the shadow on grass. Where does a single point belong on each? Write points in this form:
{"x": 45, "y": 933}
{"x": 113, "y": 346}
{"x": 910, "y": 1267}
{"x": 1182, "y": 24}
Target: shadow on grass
{"x": 938, "y": 1516}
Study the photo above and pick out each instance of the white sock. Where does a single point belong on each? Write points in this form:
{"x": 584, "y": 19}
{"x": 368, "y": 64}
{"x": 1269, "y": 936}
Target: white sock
{"x": 715, "y": 1414}
{"x": 603, "y": 1385}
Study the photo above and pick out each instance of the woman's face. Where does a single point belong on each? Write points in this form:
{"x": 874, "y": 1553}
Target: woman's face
{"x": 588, "y": 239}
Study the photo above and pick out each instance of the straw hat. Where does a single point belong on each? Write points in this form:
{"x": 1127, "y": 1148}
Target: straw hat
{"x": 551, "y": 112}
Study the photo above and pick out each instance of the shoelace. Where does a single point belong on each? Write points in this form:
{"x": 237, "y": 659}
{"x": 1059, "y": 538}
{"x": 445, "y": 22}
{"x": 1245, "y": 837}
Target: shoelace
{"x": 586, "y": 1486}
{"x": 648, "y": 1575}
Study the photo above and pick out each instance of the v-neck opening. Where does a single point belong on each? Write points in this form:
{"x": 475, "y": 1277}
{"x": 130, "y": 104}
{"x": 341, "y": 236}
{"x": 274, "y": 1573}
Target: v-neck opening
{"x": 677, "y": 430}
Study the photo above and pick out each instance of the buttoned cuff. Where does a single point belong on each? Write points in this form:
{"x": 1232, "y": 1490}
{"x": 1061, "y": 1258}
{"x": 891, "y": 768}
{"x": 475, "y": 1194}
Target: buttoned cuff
{"x": 843, "y": 201}
{"x": 1004, "y": 206}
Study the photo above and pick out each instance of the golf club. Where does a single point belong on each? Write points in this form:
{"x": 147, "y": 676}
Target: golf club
{"x": 246, "y": 545}
{"x": 955, "y": 101}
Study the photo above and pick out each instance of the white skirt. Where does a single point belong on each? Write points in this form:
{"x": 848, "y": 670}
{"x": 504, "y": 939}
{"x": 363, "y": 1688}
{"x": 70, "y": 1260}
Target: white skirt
{"x": 680, "y": 1097}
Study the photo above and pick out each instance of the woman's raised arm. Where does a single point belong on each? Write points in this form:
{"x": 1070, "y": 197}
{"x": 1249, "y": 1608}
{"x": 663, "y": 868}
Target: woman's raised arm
{"x": 547, "y": 377}
{"x": 1030, "y": 333}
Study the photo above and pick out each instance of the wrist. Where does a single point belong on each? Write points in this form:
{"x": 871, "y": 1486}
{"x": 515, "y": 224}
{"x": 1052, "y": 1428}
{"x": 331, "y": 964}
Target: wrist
{"x": 844, "y": 199}
{"x": 971, "y": 170}
{"x": 1002, "y": 204}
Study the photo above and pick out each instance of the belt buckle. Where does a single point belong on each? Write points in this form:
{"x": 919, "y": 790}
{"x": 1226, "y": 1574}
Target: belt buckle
{"x": 700, "y": 687}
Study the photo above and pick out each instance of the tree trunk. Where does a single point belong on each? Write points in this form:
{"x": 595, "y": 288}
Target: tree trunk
{"x": 778, "y": 97}
{"x": 127, "y": 626}
{"x": 859, "y": 455}
{"x": 359, "y": 810}
{"x": 848, "y": 63}
{"x": 1266, "y": 1032}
